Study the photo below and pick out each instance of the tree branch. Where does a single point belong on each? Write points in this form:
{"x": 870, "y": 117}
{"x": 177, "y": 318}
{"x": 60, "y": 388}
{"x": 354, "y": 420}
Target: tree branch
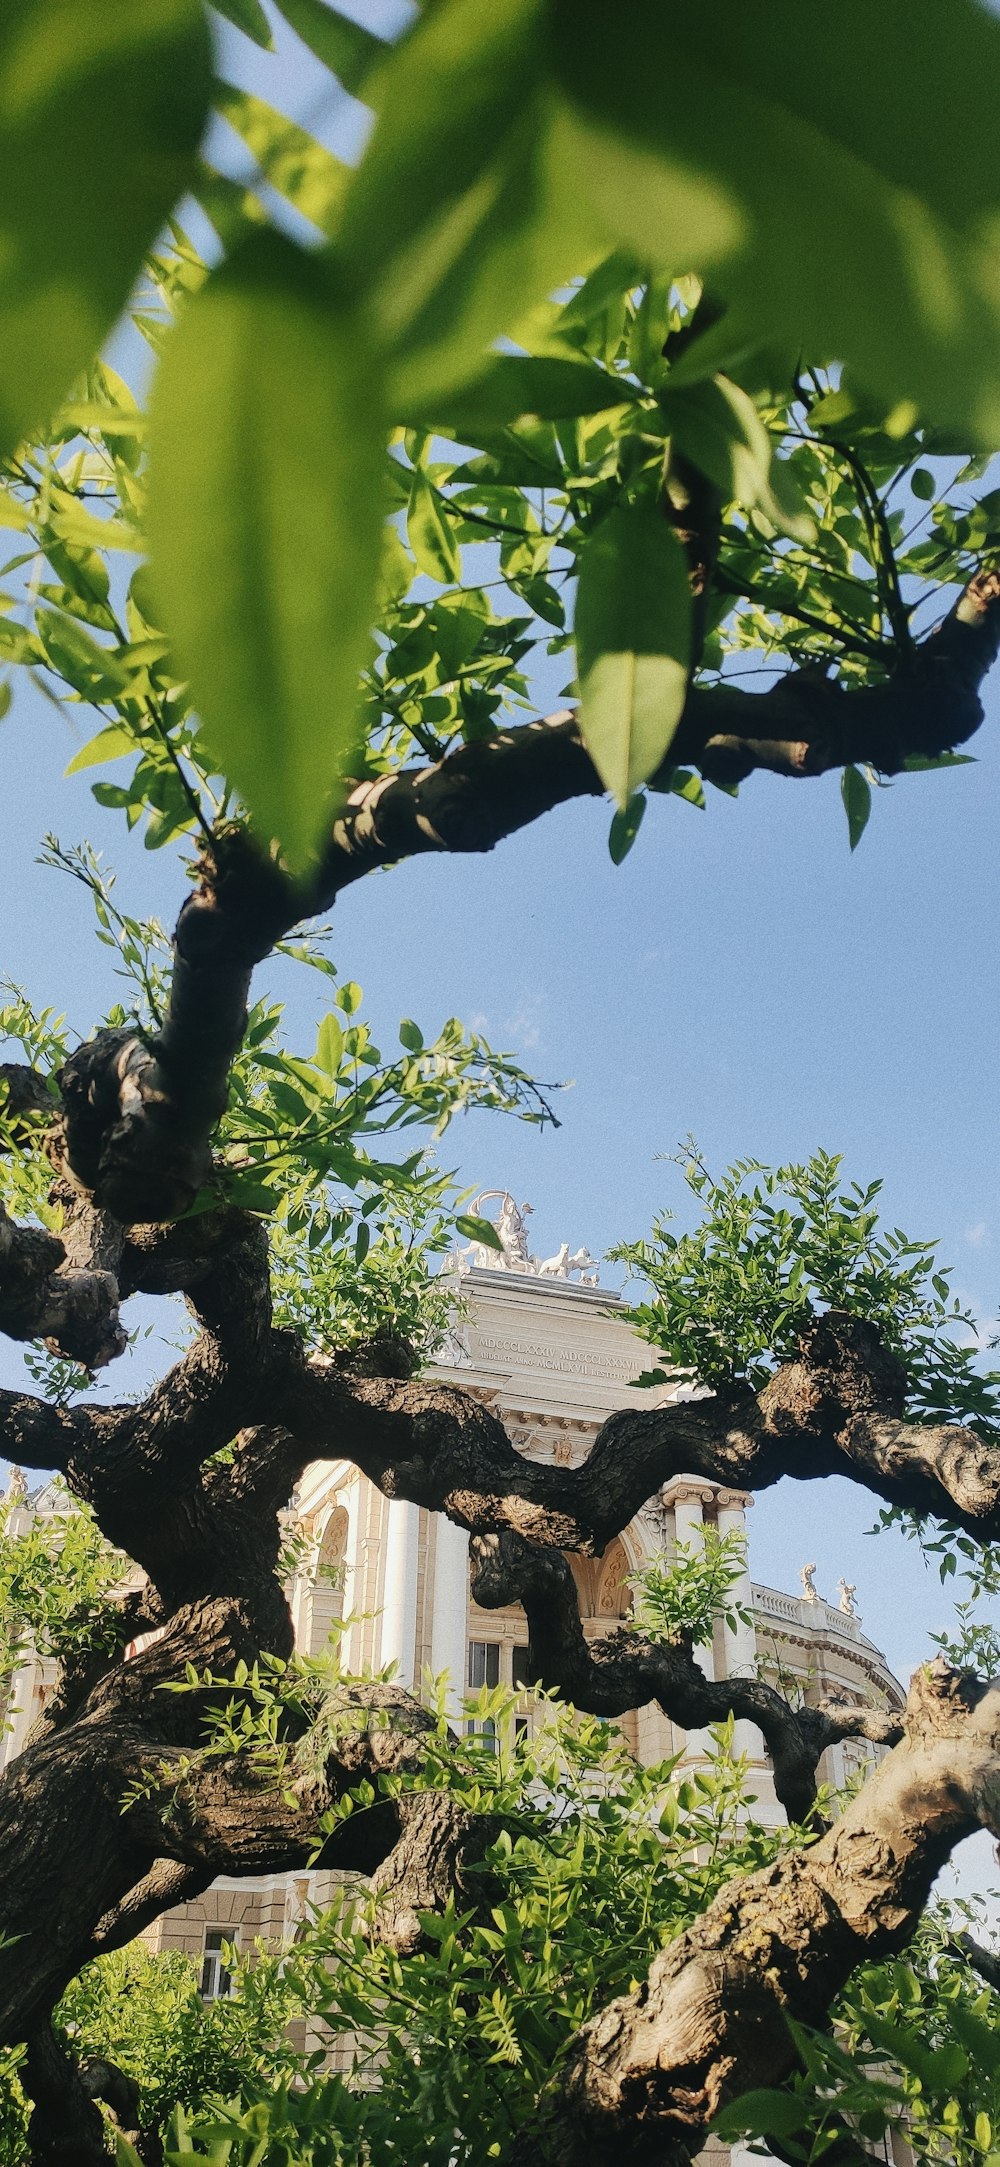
{"x": 836, "y": 1409}
{"x": 42, "y": 1296}
{"x": 625, "y": 1669}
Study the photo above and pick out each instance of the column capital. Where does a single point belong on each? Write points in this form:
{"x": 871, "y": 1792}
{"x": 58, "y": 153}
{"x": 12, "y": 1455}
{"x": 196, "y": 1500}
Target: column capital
{"x": 734, "y": 1500}
{"x": 686, "y": 1490}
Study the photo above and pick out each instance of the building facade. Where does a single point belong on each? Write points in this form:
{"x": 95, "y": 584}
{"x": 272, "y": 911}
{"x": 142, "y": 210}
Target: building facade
{"x": 553, "y": 1354}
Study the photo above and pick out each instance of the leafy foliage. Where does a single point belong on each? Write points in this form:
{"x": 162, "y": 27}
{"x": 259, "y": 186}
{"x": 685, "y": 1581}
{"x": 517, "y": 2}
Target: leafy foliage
{"x": 774, "y": 1248}
{"x": 693, "y": 1588}
{"x": 57, "y": 1577}
{"x": 357, "y": 1238}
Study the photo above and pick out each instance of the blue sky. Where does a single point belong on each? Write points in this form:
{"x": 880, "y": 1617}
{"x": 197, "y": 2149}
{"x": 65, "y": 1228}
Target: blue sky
{"x": 742, "y": 977}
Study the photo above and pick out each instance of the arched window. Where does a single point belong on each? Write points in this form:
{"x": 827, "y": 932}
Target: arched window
{"x": 327, "y": 1599}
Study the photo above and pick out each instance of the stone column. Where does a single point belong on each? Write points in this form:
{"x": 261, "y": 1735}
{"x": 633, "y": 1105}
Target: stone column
{"x": 354, "y": 1499}
{"x": 741, "y": 1639}
{"x": 397, "y": 1640}
{"x": 449, "y": 1611}
{"x": 686, "y": 1497}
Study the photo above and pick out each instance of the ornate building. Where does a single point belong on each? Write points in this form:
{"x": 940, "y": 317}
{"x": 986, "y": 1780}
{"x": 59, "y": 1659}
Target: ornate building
{"x": 551, "y": 1351}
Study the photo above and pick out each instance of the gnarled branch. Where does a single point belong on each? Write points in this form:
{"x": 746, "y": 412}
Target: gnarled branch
{"x": 646, "y": 2076}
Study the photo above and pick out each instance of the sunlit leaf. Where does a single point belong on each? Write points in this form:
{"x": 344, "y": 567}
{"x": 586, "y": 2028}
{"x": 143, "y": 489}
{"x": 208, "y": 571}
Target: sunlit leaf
{"x": 429, "y": 532}
{"x": 633, "y": 635}
{"x": 109, "y": 744}
{"x": 265, "y": 519}
{"x": 302, "y": 170}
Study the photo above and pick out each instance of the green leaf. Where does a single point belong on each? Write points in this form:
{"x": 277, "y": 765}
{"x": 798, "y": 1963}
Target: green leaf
{"x": 91, "y": 669}
{"x": 857, "y": 797}
{"x": 516, "y": 384}
{"x": 411, "y": 1035}
{"x": 822, "y": 198}
{"x": 482, "y": 1231}
{"x": 248, "y": 16}
{"x": 981, "y": 2040}
{"x": 938, "y": 2068}
{"x": 625, "y": 827}
{"x": 329, "y": 1045}
{"x": 763, "y": 2114}
{"x": 267, "y": 450}
{"x": 6, "y": 696}
{"x": 718, "y": 428}
{"x": 923, "y": 484}
{"x": 109, "y": 744}
{"x": 302, "y": 170}
{"x": 918, "y": 763}
{"x": 429, "y": 533}
{"x": 102, "y": 104}
{"x": 362, "y": 1241}
{"x": 633, "y": 635}
{"x": 344, "y": 46}
{"x": 253, "y": 1195}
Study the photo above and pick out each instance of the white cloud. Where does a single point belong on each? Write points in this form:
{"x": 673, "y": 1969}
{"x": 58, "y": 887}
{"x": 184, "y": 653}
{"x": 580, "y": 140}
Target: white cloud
{"x": 976, "y": 1235}
{"x": 524, "y": 1025}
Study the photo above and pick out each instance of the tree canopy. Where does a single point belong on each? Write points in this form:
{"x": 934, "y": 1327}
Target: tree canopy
{"x": 652, "y": 344}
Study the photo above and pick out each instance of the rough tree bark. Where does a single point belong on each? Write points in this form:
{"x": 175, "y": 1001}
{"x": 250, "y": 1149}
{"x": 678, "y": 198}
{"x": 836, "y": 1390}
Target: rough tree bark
{"x": 131, "y": 1146}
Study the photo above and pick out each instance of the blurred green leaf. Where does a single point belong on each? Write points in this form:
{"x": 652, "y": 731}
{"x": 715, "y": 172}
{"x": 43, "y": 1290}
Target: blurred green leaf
{"x": 823, "y": 199}
{"x": 457, "y": 220}
{"x": 248, "y": 16}
{"x": 265, "y": 520}
{"x": 102, "y": 105}
{"x": 516, "y": 384}
{"x": 762, "y": 2114}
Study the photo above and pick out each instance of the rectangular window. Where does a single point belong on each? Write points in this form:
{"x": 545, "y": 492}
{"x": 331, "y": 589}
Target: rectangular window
{"x": 484, "y": 1664}
{"x": 520, "y": 1674}
{"x": 216, "y": 1981}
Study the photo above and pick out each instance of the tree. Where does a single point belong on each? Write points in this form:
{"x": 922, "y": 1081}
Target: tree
{"x": 750, "y": 339}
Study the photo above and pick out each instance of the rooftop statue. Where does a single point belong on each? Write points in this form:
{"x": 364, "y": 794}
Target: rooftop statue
{"x": 514, "y": 1255}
